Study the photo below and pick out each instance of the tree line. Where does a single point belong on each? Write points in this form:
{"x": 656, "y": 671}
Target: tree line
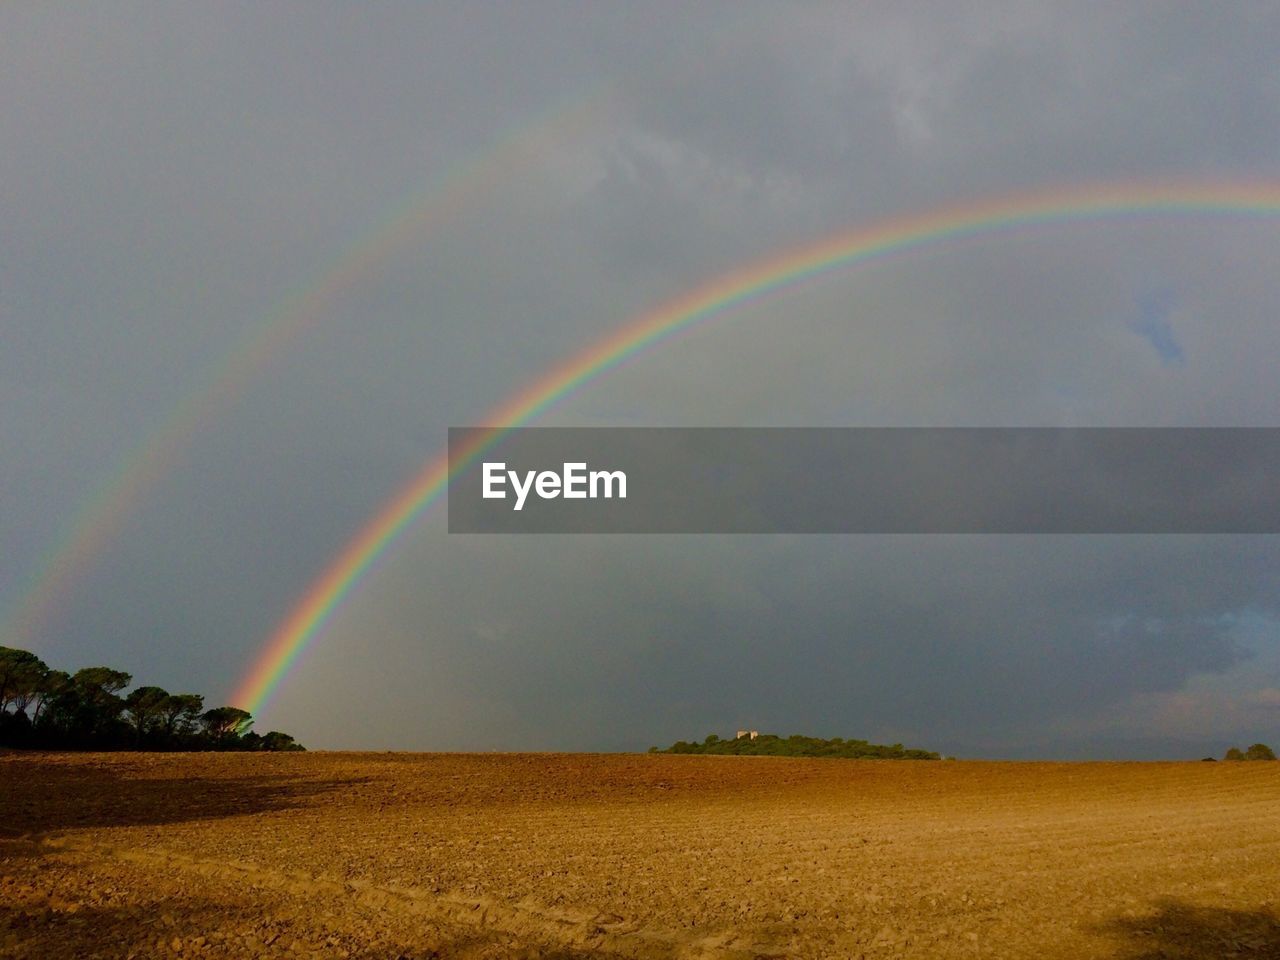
{"x": 1258, "y": 751}
{"x": 770, "y": 745}
{"x": 42, "y": 708}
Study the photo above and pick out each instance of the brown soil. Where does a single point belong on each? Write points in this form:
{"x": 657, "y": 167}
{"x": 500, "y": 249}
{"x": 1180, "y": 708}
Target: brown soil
{"x": 403, "y": 855}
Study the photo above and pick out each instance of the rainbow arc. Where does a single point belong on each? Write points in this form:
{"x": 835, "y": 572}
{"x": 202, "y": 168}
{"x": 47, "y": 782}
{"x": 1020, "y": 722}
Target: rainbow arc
{"x": 705, "y": 303}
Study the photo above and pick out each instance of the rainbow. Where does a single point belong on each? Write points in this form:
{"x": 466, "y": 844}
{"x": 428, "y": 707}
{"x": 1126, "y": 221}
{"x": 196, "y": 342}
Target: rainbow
{"x": 103, "y": 512}
{"x": 860, "y": 245}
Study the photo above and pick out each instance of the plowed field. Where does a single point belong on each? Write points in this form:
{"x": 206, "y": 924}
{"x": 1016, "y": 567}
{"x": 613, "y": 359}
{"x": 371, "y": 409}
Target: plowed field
{"x": 439, "y": 855}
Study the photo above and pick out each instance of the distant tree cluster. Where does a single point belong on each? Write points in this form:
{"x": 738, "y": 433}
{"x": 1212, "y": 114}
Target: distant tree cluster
{"x": 769, "y": 745}
{"x": 49, "y": 709}
{"x": 1259, "y": 751}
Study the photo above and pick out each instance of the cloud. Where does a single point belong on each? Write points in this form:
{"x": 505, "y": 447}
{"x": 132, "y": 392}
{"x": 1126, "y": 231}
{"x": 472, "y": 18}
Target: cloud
{"x": 173, "y": 175}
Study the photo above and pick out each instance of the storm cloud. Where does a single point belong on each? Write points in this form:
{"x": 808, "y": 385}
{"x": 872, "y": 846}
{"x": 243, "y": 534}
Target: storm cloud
{"x": 174, "y": 178}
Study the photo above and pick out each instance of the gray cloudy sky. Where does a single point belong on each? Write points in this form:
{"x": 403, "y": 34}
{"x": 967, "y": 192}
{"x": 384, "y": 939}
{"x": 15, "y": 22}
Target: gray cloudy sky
{"x": 171, "y": 172}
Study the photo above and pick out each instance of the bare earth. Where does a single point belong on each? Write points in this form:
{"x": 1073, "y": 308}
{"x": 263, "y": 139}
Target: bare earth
{"x": 408, "y": 855}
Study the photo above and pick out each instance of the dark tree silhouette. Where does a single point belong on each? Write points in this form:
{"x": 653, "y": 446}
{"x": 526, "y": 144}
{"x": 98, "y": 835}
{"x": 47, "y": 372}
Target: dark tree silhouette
{"x": 1257, "y": 751}
{"x": 221, "y": 723}
{"x": 180, "y": 713}
{"x": 22, "y": 674}
{"x": 143, "y": 708}
{"x": 275, "y": 740}
{"x": 52, "y": 709}
{"x": 53, "y": 684}
{"x": 771, "y": 745}
{"x": 86, "y": 709}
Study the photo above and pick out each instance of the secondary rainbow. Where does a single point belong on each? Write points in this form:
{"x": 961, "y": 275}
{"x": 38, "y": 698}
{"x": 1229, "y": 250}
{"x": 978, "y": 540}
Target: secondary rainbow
{"x": 860, "y": 245}
{"x": 102, "y": 513}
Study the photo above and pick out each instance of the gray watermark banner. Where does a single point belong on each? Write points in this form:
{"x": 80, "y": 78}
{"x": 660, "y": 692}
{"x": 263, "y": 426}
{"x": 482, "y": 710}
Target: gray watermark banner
{"x": 865, "y": 480}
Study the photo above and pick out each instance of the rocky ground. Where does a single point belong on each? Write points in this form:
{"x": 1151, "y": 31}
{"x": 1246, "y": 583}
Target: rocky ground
{"x": 431, "y": 855}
